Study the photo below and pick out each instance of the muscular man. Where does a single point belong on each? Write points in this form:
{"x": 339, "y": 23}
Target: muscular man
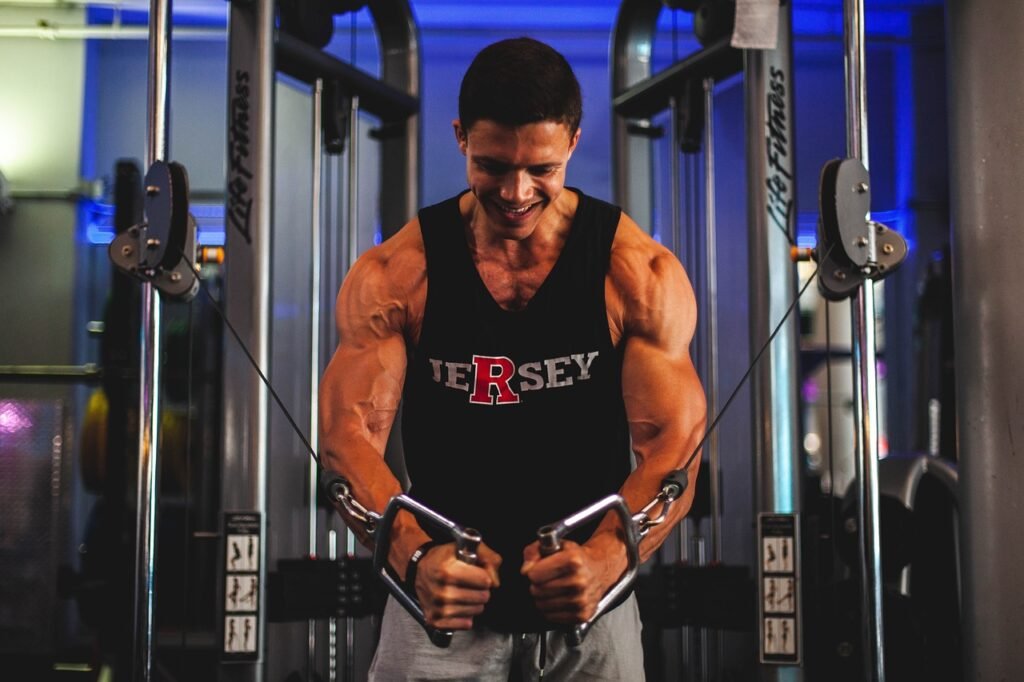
{"x": 536, "y": 337}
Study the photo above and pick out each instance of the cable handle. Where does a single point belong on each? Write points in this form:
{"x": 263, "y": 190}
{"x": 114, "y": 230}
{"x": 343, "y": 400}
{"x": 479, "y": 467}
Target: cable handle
{"x": 467, "y": 544}
{"x": 551, "y": 536}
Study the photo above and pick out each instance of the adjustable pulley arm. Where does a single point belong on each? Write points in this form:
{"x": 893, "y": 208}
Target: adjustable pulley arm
{"x": 634, "y": 526}
{"x": 153, "y": 250}
{"x": 851, "y": 247}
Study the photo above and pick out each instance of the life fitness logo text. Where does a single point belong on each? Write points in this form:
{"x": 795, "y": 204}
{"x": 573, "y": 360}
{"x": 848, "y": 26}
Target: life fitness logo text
{"x": 497, "y": 380}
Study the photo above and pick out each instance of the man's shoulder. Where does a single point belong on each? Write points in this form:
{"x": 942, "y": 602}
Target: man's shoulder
{"x": 646, "y": 283}
{"x": 636, "y": 257}
{"x": 395, "y": 266}
{"x": 400, "y": 254}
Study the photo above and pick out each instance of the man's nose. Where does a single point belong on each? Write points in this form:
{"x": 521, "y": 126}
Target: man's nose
{"x": 517, "y": 187}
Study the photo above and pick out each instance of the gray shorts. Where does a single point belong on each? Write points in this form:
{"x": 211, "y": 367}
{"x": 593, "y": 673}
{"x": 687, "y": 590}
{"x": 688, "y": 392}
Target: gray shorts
{"x": 611, "y": 651}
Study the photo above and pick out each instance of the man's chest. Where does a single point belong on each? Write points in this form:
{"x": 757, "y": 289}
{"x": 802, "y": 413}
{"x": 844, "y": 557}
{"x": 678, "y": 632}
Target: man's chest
{"x": 512, "y": 289}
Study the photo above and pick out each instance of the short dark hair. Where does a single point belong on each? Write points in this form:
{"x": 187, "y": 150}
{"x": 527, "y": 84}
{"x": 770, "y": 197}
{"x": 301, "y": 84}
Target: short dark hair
{"x": 518, "y": 81}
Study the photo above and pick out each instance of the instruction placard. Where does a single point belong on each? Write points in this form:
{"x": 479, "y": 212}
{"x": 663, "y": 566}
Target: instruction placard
{"x": 241, "y": 605}
{"x": 779, "y": 588}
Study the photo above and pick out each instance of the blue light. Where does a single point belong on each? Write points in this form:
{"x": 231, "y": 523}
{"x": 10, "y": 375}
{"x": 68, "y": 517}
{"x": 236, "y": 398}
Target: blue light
{"x": 899, "y": 220}
{"x": 828, "y": 22}
{"x": 99, "y": 223}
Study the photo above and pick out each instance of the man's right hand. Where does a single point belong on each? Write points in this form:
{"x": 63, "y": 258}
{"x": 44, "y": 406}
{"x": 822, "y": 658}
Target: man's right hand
{"x": 452, "y": 592}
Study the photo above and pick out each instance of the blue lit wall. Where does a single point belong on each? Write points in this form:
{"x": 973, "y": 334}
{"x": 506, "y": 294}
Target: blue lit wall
{"x": 451, "y": 35}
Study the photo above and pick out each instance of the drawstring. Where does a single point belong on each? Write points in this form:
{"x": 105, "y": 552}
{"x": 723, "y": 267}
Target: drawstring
{"x": 543, "y": 654}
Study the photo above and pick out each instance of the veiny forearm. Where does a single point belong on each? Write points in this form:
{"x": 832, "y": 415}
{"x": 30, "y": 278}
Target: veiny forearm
{"x": 360, "y": 460}
{"x": 656, "y": 456}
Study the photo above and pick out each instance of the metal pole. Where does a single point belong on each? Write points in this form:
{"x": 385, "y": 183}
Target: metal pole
{"x": 149, "y": 363}
{"x": 332, "y": 624}
{"x": 771, "y": 187}
{"x": 353, "y": 255}
{"x": 147, "y": 488}
{"x": 673, "y": 143}
{"x": 353, "y": 196}
{"x": 632, "y": 169}
{"x": 711, "y": 375}
{"x": 865, "y": 397}
{"x": 314, "y": 338}
{"x": 247, "y": 273}
{"x": 675, "y": 230}
{"x": 711, "y": 314}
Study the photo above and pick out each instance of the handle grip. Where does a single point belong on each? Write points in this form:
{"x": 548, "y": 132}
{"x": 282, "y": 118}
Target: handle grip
{"x": 550, "y": 538}
{"x": 467, "y": 542}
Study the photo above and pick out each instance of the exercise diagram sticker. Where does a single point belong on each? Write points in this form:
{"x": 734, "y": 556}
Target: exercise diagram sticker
{"x": 241, "y": 601}
{"x": 243, "y": 552}
{"x": 779, "y": 587}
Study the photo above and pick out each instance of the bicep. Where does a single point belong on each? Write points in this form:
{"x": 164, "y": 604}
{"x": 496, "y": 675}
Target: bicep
{"x": 362, "y": 386}
{"x": 663, "y": 396}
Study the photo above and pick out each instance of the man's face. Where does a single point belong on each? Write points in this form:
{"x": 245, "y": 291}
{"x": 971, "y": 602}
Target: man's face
{"x": 515, "y": 173}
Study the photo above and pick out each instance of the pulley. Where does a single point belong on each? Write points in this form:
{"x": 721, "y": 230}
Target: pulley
{"x": 851, "y": 247}
{"x": 160, "y": 250}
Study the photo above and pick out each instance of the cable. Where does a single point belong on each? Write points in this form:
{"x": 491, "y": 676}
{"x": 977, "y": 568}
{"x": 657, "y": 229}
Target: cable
{"x": 252, "y": 360}
{"x": 753, "y": 364}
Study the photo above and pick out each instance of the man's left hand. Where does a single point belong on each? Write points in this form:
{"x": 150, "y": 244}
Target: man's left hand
{"x": 567, "y": 585}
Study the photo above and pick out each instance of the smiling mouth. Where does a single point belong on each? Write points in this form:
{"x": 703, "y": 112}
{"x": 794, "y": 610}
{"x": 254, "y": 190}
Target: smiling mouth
{"x": 519, "y": 212}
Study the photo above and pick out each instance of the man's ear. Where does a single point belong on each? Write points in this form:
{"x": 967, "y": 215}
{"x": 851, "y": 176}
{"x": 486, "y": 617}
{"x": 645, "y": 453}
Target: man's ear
{"x": 574, "y": 141}
{"x": 460, "y": 135}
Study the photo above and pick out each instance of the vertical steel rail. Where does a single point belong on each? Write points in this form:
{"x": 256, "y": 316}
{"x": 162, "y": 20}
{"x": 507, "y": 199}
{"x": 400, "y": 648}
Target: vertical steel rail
{"x": 675, "y": 173}
{"x": 247, "y": 281}
{"x": 353, "y": 255}
{"x": 353, "y": 205}
{"x": 865, "y": 397}
{"x": 147, "y": 489}
{"x": 314, "y": 336}
{"x": 711, "y": 314}
{"x": 711, "y": 639}
{"x": 675, "y": 242}
{"x": 771, "y": 187}
{"x": 675, "y": 199}
{"x": 332, "y": 623}
{"x": 399, "y": 153}
{"x": 632, "y": 169}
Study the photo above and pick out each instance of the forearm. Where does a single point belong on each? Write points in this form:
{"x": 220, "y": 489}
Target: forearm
{"x": 372, "y": 485}
{"x": 656, "y": 459}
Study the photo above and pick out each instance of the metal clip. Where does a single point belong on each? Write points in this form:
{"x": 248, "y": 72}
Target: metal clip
{"x": 672, "y": 488}
{"x": 339, "y": 491}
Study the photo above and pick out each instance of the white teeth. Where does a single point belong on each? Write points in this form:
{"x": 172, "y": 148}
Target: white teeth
{"x": 517, "y": 211}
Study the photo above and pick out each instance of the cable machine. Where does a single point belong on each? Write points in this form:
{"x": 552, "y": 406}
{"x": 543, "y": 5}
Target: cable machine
{"x": 257, "y": 52}
{"x": 852, "y": 252}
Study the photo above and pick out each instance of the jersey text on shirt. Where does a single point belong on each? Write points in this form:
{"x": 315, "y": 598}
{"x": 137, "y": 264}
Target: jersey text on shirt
{"x": 497, "y": 380}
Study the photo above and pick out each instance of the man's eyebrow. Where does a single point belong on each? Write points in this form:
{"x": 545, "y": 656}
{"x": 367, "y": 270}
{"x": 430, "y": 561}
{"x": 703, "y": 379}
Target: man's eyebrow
{"x": 480, "y": 158}
{"x": 489, "y": 159}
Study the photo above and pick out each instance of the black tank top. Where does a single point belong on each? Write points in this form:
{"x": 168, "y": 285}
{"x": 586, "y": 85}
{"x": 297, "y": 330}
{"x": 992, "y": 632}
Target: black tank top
{"x": 512, "y": 420}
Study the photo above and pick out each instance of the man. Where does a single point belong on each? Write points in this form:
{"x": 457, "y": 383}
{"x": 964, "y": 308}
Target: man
{"x": 535, "y": 335}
